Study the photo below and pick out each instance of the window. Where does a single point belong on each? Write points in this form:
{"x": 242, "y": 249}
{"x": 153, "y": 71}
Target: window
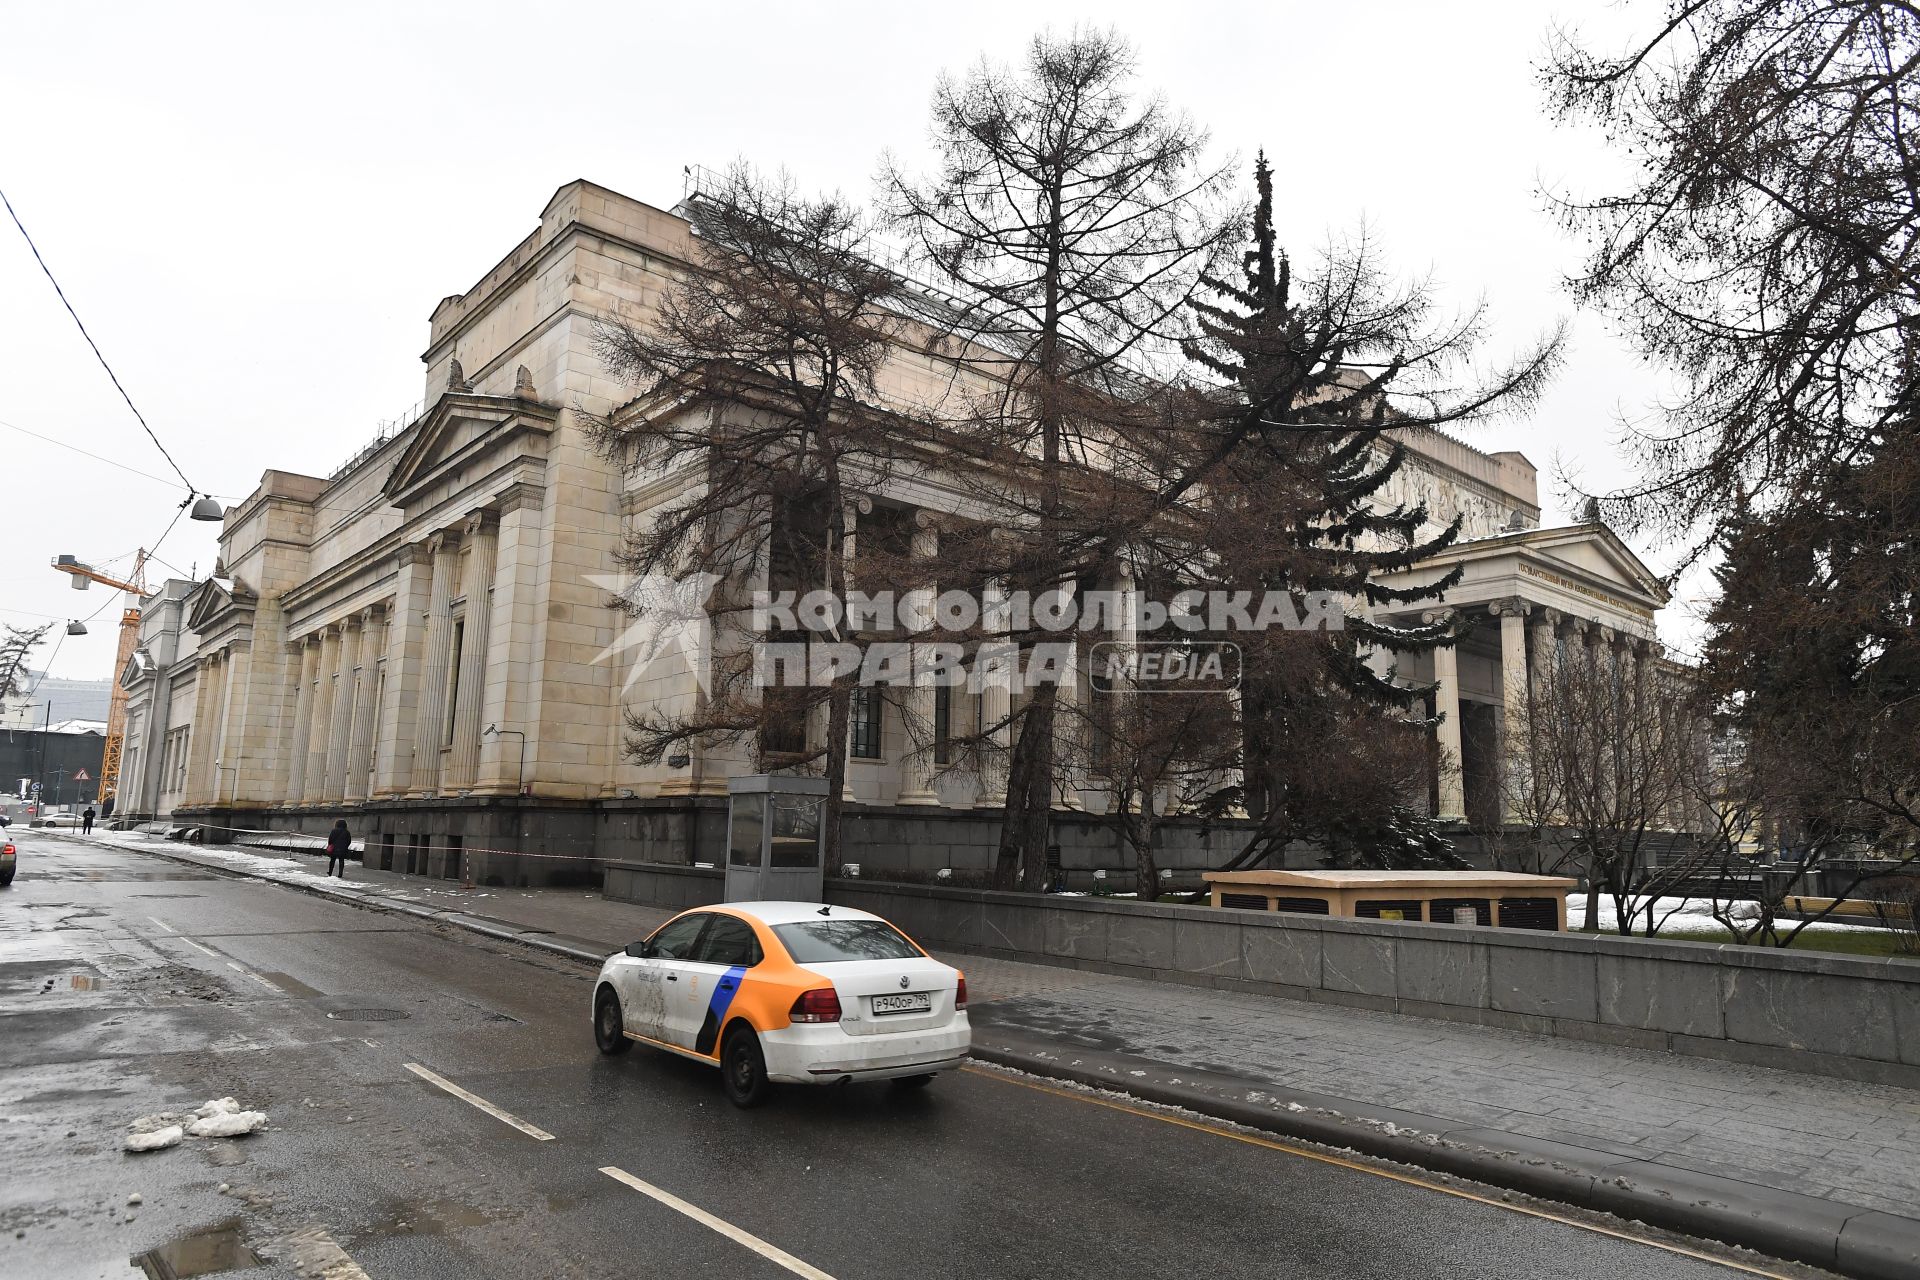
{"x": 863, "y": 723}
{"x": 825, "y": 941}
{"x": 729, "y": 941}
{"x": 675, "y": 939}
{"x": 942, "y": 723}
{"x": 453, "y": 679}
{"x": 743, "y": 832}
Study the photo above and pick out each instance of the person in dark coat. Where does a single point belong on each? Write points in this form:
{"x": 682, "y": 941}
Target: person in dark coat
{"x": 339, "y": 845}
{"x": 86, "y": 821}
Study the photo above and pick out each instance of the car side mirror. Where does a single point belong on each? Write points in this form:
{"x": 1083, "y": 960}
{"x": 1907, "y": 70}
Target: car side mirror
{"x": 638, "y": 950}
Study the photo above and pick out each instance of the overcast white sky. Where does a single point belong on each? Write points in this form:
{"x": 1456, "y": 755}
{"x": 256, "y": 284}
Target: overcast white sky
{"x": 255, "y": 208}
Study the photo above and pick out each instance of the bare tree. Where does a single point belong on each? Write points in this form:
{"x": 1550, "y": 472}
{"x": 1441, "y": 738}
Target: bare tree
{"x": 16, "y": 646}
{"x": 1765, "y": 250}
{"x": 758, "y": 377}
{"x": 1073, "y": 220}
{"x": 1609, "y": 759}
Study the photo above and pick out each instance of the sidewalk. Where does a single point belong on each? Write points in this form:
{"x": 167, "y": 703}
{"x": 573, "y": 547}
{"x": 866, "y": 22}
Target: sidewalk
{"x": 1798, "y": 1166}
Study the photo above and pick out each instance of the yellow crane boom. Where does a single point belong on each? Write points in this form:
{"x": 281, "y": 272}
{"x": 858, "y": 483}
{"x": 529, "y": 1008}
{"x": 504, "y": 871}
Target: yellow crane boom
{"x": 83, "y": 576}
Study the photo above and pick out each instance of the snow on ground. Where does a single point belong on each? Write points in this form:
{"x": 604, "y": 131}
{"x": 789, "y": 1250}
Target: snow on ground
{"x": 1687, "y": 914}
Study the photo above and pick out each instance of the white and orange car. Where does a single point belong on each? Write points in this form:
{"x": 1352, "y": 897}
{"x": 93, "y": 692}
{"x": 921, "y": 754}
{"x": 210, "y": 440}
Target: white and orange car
{"x": 786, "y": 992}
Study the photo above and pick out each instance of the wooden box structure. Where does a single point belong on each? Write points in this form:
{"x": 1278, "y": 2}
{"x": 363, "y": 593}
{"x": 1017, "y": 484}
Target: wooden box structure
{"x": 1506, "y": 898}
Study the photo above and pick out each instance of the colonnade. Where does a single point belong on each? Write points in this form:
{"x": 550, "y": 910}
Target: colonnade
{"x": 1527, "y": 672}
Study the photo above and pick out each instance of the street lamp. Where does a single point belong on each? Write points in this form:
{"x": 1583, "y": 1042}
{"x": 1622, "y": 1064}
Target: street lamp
{"x": 494, "y": 731}
{"x": 207, "y": 509}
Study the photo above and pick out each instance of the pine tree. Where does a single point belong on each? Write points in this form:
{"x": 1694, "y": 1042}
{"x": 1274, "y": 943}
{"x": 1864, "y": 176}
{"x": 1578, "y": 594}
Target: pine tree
{"x": 1317, "y": 380}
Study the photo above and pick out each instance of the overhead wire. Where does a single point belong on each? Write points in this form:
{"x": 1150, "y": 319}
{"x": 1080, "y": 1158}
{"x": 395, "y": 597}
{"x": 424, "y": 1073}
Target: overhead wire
{"x": 48, "y": 271}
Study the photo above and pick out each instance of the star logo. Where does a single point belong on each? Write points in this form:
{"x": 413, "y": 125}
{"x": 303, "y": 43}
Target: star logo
{"x": 667, "y": 618}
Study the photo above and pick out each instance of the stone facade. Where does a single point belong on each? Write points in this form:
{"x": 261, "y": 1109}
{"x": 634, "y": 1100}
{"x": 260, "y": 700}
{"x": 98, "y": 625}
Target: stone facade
{"x": 422, "y": 641}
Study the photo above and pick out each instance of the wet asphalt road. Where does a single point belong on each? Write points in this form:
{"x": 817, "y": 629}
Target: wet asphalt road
{"x": 130, "y": 985}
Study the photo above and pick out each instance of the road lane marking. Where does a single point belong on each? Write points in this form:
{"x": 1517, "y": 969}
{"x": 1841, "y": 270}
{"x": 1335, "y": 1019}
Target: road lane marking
{"x": 1323, "y": 1158}
{"x": 163, "y": 924}
{"x": 234, "y": 965}
{"x": 505, "y": 1117}
{"x": 725, "y": 1228}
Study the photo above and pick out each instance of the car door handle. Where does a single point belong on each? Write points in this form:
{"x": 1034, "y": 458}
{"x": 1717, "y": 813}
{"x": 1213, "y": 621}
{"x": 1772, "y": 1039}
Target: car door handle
{"x": 673, "y": 977}
{"x": 726, "y": 986}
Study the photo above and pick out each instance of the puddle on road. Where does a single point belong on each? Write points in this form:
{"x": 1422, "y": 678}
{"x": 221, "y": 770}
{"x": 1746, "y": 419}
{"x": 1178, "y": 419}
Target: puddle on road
{"x": 83, "y": 982}
{"x": 206, "y": 1252}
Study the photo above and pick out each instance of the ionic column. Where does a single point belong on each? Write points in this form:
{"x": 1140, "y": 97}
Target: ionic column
{"x": 320, "y": 738}
{"x": 509, "y": 643}
{"x": 373, "y": 646}
{"x": 206, "y": 728}
{"x": 917, "y": 767}
{"x": 1446, "y": 675}
{"x": 1514, "y": 760}
{"x": 482, "y": 534}
{"x": 430, "y": 727}
{"x": 296, "y": 745}
{"x": 233, "y": 731}
{"x": 340, "y": 726}
{"x": 994, "y": 666}
{"x": 397, "y": 717}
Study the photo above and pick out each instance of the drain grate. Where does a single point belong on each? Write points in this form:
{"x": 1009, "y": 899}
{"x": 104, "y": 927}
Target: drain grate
{"x": 368, "y": 1015}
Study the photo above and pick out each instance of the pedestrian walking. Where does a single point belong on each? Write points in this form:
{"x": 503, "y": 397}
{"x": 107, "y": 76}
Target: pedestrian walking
{"x": 339, "y": 844}
{"x": 86, "y": 822}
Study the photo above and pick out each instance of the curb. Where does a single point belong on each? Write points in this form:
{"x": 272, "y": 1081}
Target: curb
{"x": 582, "y": 950}
{"x": 1865, "y": 1243}
{"x": 1853, "y": 1241}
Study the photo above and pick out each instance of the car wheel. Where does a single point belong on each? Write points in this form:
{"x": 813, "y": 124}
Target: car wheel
{"x": 743, "y": 1068}
{"x": 904, "y": 1083}
{"x": 609, "y": 1033}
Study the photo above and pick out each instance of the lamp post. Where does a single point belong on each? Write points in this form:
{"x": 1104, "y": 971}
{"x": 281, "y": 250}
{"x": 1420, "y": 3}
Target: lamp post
{"x": 520, "y": 783}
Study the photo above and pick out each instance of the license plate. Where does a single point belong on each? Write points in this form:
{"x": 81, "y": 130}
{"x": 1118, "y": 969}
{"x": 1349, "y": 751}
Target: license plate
{"x": 911, "y": 1002}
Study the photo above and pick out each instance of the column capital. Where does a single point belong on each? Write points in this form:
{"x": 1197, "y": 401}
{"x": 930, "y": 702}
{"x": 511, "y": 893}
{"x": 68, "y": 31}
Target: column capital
{"x": 479, "y": 521}
{"x": 1546, "y": 617}
{"x": 858, "y": 504}
{"x": 1599, "y": 635}
{"x": 1577, "y": 626}
{"x": 1510, "y": 607}
{"x": 518, "y": 495}
{"x": 1433, "y": 617}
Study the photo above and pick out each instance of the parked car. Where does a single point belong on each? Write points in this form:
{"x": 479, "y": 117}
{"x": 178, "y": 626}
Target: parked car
{"x": 788, "y": 993}
{"x": 9, "y": 856}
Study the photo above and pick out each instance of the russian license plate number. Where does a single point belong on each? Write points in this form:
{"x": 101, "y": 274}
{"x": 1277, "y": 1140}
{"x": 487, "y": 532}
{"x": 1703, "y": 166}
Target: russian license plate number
{"x": 911, "y": 1002}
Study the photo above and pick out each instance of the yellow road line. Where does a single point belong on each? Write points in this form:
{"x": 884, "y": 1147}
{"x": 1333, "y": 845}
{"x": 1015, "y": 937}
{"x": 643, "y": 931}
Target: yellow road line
{"x": 770, "y": 1252}
{"x": 504, "y": 1117}
{"x": 1304, "y": 1153}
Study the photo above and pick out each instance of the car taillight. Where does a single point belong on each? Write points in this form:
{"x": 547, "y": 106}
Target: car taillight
{"x": 960, "y": 995}
{"x": 822, "y": 1004}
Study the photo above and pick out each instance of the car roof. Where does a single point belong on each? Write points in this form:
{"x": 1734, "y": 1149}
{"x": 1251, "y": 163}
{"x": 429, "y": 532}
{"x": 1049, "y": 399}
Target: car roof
{"x": 772, "y": 913}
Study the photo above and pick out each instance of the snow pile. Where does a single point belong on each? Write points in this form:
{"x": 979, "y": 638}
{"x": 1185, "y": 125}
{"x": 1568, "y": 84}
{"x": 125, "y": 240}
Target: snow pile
{"x": 154, "y": 1139}
{"x": 223, "y": 1118}
{"x": 215, "y": 1118}
{"x": 1687, "y": 914}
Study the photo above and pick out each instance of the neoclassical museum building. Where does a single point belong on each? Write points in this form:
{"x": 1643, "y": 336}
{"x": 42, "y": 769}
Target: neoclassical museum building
{"x": 423, "y": 642}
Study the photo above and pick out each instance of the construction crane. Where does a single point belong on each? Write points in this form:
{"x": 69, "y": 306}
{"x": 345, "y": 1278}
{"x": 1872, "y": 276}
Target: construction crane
{"x": 84, "y": 576}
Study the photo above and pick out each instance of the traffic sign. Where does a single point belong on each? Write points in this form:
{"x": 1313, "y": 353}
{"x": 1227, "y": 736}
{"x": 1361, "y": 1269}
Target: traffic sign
{"x": 81, "y": 775}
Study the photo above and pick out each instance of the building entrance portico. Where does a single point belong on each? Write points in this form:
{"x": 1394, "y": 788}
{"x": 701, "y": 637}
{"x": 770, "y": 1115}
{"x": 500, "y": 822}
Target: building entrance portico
{"x": 1533, "y": 599}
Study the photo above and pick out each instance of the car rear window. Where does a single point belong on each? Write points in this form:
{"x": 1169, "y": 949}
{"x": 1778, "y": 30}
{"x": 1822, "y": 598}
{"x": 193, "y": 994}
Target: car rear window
{"x": 825, "y": 941}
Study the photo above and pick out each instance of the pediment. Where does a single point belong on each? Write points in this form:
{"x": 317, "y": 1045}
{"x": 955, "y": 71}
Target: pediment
{"x": 1595, "y": 550}
{"x": 139, "y": 666}
{"x": 212, "y": 605}
{"x": 463, "y": 427}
